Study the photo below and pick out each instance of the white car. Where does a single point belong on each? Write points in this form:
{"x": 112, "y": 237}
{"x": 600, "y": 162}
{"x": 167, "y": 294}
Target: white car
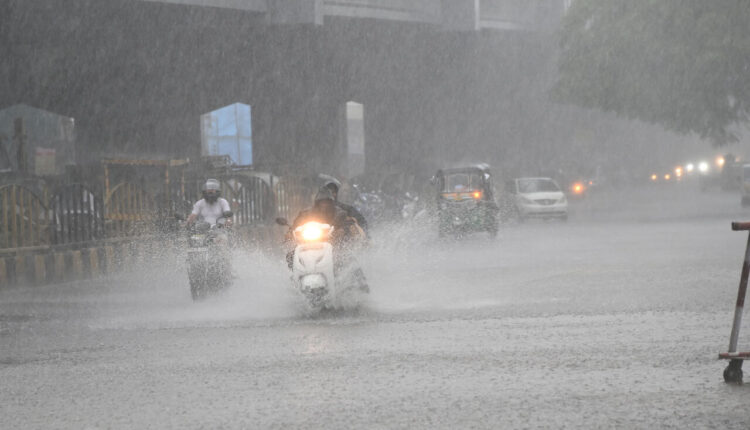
{"x": 539, "y": 198}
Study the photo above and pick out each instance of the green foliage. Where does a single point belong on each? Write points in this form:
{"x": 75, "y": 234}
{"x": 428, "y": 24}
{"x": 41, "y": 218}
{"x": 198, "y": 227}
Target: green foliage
{"x": 683, "y": 64}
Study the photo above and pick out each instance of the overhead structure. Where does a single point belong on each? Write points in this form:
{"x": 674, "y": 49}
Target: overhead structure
{"x": 455, "y": 15}
{"x": 349, "y": 87}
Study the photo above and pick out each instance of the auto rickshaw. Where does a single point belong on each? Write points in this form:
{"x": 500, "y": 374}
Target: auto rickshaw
{"x": 466, "y": 201}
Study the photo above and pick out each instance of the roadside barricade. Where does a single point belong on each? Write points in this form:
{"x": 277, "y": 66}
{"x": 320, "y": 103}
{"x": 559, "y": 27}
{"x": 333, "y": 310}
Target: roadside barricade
{"x": 55, "y": 264}
{"x": 49, "y": 265}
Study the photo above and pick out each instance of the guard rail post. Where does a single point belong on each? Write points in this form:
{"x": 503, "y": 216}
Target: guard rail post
{"x": 3, "y": 273}
{"x": 59, "y": 266}
{"x": 40, "y": 269}
{"x": 21, "y": 271}
{"x": 76, "y": 265}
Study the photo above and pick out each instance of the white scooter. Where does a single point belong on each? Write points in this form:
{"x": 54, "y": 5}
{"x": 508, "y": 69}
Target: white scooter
{"x": 314, "y": 273}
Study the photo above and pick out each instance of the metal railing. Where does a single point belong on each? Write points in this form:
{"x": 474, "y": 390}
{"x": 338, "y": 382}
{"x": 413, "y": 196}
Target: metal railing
{"x": 79, "y": 213}
{"x": 292, "y": 195}
{"x": 24, "y": 217}
{"x": 76, "y": 215}
{"x": 128, "y": 210}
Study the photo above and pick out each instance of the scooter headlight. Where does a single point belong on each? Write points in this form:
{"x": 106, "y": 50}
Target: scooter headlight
{"x": 312, "y": 232}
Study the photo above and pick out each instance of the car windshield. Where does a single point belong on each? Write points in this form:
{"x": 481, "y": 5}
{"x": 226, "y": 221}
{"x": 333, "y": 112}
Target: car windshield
{"x": 537, "y": 185}
{"x": 457, "y": 182}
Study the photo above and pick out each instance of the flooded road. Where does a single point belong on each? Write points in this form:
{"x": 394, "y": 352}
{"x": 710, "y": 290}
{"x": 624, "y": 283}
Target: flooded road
{"x": 611, "y": 320}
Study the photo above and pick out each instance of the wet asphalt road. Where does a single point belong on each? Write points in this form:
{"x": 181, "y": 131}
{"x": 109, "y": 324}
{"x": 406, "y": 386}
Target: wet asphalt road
{"x": 612, "y": 320}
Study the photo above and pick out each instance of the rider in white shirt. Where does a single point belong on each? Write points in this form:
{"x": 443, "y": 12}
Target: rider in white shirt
{"x": 211, "y": 207}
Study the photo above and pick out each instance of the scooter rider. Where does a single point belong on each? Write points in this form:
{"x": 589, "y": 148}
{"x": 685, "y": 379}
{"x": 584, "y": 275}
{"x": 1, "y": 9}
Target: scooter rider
{"x": 211, "y": 207}
{"x": 334, "y": 185}
{"x": 324, "y": 210}
{"x": 347, "y": 233}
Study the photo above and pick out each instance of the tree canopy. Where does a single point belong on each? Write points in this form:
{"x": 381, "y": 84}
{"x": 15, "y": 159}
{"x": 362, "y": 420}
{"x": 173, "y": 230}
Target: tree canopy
{"x": 683, "y": 64}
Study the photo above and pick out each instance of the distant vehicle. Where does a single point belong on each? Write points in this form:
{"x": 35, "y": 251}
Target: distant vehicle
{"x": 745, "y": 200}
{"x": 580, "y": 189}
{"x": 466, "y": 200}
{"x": 537, "y": 198}
{"x": 732, "y": 173}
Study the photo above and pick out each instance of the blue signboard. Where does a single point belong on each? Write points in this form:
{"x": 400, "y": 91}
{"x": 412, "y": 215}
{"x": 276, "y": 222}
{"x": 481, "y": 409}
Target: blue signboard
{"x": 228, "y": 131}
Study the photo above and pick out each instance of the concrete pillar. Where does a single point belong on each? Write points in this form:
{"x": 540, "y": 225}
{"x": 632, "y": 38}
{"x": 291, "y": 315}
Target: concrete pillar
{"x": 352, "y": 136}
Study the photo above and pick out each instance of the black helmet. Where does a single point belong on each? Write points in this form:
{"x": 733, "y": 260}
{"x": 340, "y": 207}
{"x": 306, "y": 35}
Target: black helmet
{"x": 324, "y": 193}
{"x": 211, "y": 190}
{"x": 331, "y": 183}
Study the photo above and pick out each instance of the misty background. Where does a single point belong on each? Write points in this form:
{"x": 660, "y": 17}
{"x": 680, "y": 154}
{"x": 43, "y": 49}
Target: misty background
{"x": 611, "y": 317}
{"x": 136, "y": 77}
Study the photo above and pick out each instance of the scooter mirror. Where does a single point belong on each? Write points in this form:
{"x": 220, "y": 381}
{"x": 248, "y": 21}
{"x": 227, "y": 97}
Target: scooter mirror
{"x": 179, "y": 217}
{"x": 228, "y": 214}
{"x": 282, "y": 221}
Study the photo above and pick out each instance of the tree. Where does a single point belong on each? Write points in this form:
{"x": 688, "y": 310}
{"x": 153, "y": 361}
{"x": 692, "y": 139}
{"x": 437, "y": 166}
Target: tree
{"x": 683, "y": 64}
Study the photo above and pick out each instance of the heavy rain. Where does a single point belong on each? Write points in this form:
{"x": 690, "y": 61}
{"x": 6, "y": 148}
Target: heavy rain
{"x": 374, "y": 213}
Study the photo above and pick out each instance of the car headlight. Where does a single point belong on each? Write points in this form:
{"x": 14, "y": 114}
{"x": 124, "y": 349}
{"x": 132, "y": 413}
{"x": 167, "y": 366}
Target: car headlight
{"x": 563, "y": 199}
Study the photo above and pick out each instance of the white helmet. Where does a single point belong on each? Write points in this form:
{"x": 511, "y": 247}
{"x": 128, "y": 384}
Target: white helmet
{"x": 212, "y": 184}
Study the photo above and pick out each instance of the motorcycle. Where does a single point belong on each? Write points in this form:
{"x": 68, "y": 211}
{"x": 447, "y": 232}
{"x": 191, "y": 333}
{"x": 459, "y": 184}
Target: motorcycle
{"x": 208, "y": 260}
{"x": 326, "y": 280}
